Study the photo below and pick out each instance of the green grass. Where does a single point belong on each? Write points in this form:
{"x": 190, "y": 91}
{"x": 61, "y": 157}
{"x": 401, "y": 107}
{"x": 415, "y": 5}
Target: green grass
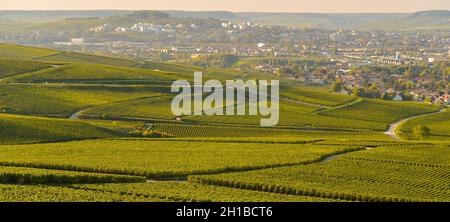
{"x": 161, "y": 158}
{"x": 23, "y": 52}
{"x": 439, "y": 125}
{"x": 382, "y": 111}
{"x": 395, "y": 173}
{"x": 20, "y": 175}
{"x": 73, "y": 57}
{"x": 22, "y": 129}
{"x": 173, "y": 191}
{"x": 10, "y": 67}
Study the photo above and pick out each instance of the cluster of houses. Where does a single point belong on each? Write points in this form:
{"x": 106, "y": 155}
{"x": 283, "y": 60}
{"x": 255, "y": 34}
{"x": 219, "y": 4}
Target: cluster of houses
{"x": 420, "y": 94}
{"x": 141, "y": 27}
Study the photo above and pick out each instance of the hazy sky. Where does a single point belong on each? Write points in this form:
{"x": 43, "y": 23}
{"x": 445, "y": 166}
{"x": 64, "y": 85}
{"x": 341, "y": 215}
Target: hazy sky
{"x": 234, "y": 5}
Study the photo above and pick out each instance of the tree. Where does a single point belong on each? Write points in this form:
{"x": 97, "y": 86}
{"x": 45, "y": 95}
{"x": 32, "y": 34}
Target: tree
{"x": 336, "y": 86}
{"x": 358, "y": 92}
{"x": 421, "y": 132}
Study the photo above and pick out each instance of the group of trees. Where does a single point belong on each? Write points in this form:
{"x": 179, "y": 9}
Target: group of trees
{"x": 421, "y": 132}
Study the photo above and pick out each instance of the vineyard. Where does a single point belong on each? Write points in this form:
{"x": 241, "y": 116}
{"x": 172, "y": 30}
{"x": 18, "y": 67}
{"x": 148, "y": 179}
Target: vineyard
{"x": 84, "y": 73}
{"x": 10, "y": 67}
{"x": 354, "y": 177}
{"x": 71, "y": 57}
{"x": 197, "y": 130}
{"x": 315, "y": 96}
{"x": 159, "y": 159}
{"x": 19, "y": 175}
{"x": 23, "y": 52}
{"x": 175, "y": 191}
{"x": 380, "y": 110}
{"x": 24, "y": 129}
{"x": 40, "y": 193}
{"x": 81, "y": 127}
{"x": 439, "y": 125}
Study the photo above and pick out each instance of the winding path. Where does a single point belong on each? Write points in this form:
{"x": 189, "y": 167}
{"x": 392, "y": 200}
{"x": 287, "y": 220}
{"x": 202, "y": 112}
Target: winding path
{"x": 391, "y": 132}
{"x": 77, "y": 114}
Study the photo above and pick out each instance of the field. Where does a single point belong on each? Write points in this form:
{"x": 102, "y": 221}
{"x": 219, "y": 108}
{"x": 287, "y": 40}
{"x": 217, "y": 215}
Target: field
{"x": 25, "y": 129}
{"x": 380, "y": 110}
{"x": 83, "y": 73}
{"x": 64, "y": 100}
{"x": 71, "y": 57}
{"x": 158, "y": 159}
{"x": 23, "y": 52}
{"x": 80, "y": 127}
{"x": 383, "y": 174}
{"x": 317, "y": 96}
{"x": 439, "y": 125}
{"x": 10, "y": 67}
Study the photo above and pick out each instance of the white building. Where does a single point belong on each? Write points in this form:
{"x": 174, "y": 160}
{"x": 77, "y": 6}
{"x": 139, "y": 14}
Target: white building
{"x": 398, "y": 97}
{"x": 77, "y": 41}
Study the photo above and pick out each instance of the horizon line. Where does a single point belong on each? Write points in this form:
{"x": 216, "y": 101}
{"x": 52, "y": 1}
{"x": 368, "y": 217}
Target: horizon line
{"x": 279, "y": 12}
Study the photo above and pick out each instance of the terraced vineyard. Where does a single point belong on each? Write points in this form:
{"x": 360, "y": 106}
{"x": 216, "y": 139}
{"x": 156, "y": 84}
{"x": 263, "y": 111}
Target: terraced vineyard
{"x": 80, "y": 127}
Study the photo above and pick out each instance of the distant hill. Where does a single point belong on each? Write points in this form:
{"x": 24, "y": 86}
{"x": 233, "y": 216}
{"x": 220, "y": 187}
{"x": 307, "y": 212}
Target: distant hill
{"x": 427, "y": 19}
{"x": 420, "y": 20}
{"x": 221, "y": 15}
{"x": 56, "y": 15}
{"x": 83, "y": 23}
{"x": 81, "y": 20}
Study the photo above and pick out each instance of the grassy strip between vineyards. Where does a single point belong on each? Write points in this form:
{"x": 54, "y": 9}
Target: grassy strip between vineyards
{"x": 40, "y": 193}
{"x": 393, "y": 173}
{"x": 162, "y": 159}
{"x": 189, "y": 192}
{"x": 20, "y": 175}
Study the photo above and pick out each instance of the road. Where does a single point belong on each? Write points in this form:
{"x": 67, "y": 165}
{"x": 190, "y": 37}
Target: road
{"x": 77, "y": 114}
{"x": 393, "y": 127}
